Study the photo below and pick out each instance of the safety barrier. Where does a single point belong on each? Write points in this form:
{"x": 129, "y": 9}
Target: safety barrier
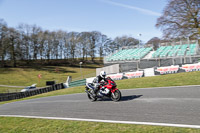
{"x": 168, "y": 69}
{"x": 77, "y": 83}
{"x": 19, "y": 95}
{"x": 191, "y": 67}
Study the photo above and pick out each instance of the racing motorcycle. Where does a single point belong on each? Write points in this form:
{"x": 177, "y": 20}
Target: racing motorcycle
{"x": 106, "y": 89}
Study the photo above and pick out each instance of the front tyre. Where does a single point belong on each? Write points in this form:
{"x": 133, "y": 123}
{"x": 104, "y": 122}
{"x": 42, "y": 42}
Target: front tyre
{"x": 116, "y": 96}
{"x": 91, "y": 98}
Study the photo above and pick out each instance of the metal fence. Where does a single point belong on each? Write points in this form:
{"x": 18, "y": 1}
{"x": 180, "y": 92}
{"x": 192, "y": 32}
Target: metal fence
{"x": 77, "y": 83}
{"x": 19, "y": 95}
{"x": 127, "y": 66}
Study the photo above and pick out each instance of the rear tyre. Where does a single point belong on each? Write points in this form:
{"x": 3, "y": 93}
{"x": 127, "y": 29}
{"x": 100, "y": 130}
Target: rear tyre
{"x": 116, "y": 96}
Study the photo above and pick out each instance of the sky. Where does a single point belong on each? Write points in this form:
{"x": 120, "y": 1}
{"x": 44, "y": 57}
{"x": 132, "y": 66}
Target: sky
{"x": 110, "y": 17}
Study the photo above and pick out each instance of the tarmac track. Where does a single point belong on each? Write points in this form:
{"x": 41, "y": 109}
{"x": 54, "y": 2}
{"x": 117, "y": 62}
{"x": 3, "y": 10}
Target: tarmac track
{"x": 169, "y": 105}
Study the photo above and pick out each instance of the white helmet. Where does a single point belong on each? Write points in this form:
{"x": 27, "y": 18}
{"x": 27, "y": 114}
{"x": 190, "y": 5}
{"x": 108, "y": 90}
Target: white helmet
{"x": 103, "y": 74}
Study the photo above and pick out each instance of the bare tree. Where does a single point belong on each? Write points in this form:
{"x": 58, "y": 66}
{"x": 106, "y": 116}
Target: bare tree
{"x": 180, "y": 18}
{"x": 35, "y": 40}
{"x": 14, "y": 45}
{"x": 155, "y": 42}
{"x": 3, "y": 43}
{"x": 48, "y": 47}
{"x": 25, "y": 40}
{"x": 60, "y": 38}
{"x": 102, "y": 44}
{"x": 72, "y": 39}
{"x": 125, "y": 41}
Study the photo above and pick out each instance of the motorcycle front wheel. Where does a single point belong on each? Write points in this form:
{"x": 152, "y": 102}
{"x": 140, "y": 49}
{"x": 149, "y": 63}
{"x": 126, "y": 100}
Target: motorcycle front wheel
{"x": 91, "y": 98}
{"x": 116, "y": 96}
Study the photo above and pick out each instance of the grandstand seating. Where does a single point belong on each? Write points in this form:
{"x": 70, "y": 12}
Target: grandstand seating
{"x": 162, "y": 52}
{"x": 129, "y": 54}
{"x": 175, "y": 51}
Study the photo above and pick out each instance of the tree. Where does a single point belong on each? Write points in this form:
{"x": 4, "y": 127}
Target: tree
{"x": 60, "y": 38}
{"x": 92, "y": 44}
{"x": 180, "y": 18}
{"x": 71, "y": 41}
{"x": 35, "y": 40}
{"x": 24, "y": 31}
{"x": 102, "y": 44}
{"x": 14, "y": 45}
{"x": 125, "y": 41}
{"x": 3, "y": 43}
{"x": 155, "y": 42}
{"x": 48, "y": 47}
{"x": 83, "y": 43}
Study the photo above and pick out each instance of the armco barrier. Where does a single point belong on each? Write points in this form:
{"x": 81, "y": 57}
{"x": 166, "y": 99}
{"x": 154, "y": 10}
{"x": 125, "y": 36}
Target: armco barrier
{"x": 19, "y": 95}
{"x": 77, "y": 83}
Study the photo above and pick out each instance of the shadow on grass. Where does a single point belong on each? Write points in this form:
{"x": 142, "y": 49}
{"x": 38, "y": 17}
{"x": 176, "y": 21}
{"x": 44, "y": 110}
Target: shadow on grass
{"x": 53, "y": 69}
{"x": 6, "y": 70}
{"x": 50, "y": 69}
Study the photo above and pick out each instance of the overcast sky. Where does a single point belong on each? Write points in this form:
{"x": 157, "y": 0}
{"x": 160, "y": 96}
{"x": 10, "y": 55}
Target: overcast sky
{"x": 110, "y": 17}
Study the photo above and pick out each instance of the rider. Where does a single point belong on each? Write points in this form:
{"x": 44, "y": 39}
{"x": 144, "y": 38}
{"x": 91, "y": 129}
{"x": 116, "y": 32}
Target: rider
{"x": 96, "y": 81}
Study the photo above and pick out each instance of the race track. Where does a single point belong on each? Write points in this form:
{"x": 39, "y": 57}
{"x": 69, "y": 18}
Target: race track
{"x": 171, "y": 105}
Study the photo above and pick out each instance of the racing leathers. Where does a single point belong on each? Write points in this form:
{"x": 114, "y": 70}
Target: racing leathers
{"x": 95, "y": 84}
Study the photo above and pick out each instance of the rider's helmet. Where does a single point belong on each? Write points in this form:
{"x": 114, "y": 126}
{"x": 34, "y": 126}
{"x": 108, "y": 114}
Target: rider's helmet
{"x": 103, "y": 74}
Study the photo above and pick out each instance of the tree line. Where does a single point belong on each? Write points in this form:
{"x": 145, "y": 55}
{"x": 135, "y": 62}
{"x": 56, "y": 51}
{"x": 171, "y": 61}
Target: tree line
{"x": 31, "y": 42}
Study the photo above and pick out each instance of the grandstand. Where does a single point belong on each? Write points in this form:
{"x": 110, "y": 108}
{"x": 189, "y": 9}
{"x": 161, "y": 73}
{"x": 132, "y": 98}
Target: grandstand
{"x": 176, "y": 51}
{"x": 129, "y": 54}
{"x": 146, "y": 57}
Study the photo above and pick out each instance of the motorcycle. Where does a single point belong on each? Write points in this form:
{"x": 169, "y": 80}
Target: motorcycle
{"x": 106, "y": 89}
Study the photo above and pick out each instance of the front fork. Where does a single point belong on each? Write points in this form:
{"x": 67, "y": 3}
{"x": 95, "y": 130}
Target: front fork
{"x": 113, "y": 90}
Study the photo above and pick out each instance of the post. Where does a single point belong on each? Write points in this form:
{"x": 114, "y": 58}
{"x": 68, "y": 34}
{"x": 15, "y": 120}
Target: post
{"x": 159, "y": 62}
{"x": 139, "y": 39}
{"x": 137, "y": 65}
{"x": 81, "y": 69}
{"x": 39, "y": 77}
{"x": 188, "y": 39}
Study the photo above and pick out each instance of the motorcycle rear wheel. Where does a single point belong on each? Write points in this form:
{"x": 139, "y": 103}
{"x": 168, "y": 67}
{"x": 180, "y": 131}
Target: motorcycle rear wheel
{"x": 116, "y": 96}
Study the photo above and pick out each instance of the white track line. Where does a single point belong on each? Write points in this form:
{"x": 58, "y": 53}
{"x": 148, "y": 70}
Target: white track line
{"x": 163, "y": 87}
{"x": 107, "y": 121}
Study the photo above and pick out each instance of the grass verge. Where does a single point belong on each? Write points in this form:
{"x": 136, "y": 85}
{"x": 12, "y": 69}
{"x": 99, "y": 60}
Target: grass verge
{"x": 178, "y": 79}
{"x": 29, "y": 125}
{"x": 29, "y": 76}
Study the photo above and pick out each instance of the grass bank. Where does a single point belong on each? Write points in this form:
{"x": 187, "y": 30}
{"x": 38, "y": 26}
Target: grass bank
{"x": 178, "y": 79}
{"x": 29, "y": 76}
{"x": 27, "y": 125}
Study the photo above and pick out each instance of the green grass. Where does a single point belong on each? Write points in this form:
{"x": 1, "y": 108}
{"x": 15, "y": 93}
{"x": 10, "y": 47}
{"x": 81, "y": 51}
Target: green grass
{"x": 18, "y": 125}
{"x": 28, "y": 125}
{"x": 9, "y": 89}
{"x": 179, "y": 79}
{"x": 29, "y": 76}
